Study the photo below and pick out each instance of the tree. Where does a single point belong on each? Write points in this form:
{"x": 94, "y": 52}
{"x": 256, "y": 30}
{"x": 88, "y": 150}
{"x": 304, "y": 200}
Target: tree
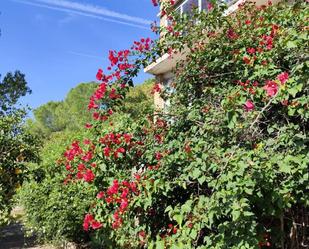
{"x": 17, "y": 146}
{"x": 71, "y": 113}
{"x": 12, "y": 87}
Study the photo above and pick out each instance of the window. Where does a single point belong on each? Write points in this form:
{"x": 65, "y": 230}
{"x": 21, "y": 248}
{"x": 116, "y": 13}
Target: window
{"x": 189, "y": 5}
{"x": 167, "y": 84}
{"x": 204, "y": 5}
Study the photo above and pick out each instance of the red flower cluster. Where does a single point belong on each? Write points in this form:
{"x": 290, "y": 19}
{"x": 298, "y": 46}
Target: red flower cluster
{"x": 172, "y": 229}
{"x": 246, "y": 60}
{"x": 267, "y": 41}
{"x": 231, "y": 34}
{"x": 283, "y": 77}
{"x": 74, "y": 151}
{"x": 251, "y": 50}
{"x": 100, "y": 74}
{"x": 97, "y": 95}
{"x": 118, "y": 57}
{"x": 89, "y": 221}
{"x": 249, "y": 86}
{"x": 271, "y": 88}
{"x": 117, "y": 144}
{"x": 156, "y": 88}
{"x": 119, "y": 194}
{"x": 143, "y": 45}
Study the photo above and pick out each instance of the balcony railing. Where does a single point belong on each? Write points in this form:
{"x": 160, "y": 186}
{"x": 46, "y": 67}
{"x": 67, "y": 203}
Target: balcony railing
{"x": 188, "y": 6}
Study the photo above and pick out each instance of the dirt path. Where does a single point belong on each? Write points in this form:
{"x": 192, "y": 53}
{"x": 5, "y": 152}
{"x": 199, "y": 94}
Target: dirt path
{"x": 12, "y": 237}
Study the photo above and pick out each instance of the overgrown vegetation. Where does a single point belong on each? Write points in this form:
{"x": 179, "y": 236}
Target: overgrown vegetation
{"x": 54, "y": 209}
{"x": 227, "y": 165}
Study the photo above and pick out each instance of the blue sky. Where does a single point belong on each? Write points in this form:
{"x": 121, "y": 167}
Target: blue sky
{"x": 60, "y": 43}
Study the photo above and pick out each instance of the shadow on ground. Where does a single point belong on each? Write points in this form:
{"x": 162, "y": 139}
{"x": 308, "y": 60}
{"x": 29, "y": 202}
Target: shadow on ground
{"x": 12, "y": 237}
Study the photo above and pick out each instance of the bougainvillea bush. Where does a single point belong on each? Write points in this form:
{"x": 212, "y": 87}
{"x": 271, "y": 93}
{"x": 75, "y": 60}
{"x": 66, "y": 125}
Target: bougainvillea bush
{"x": 54, "y": 210}
{"x": 227, "y": 165}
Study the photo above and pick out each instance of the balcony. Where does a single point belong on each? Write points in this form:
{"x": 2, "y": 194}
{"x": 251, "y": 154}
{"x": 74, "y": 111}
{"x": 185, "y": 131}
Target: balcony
{"x": 167, "y": 63}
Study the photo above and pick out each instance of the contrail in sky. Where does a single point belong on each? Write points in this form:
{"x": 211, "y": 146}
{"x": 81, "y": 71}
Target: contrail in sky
{"x": 89, "y": 11}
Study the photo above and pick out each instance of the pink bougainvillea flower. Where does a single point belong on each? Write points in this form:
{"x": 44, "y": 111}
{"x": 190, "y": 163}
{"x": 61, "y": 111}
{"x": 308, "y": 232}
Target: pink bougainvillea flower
{"x": 88, "y": 126}
{"x": 79, "y": 175}
{"x": 210, "y": 6}
{"x": 121, "y": 150}
{"x": 285, "y": 102}
{"x": 68, "y": 167}
{"x": 269, "y": 41}
{"x": 90, "y": 221}
{"x": 81, "y": 167}
{"x": 251, "y": 50}
{"x": 231, "y": 34}
{"x": 187, "y": 148}
{"x": 96, "y": 225}
{"x": 125, "y": 193}
{"x": 87, "y": 221}
{"x": 100, "y": 195}
{"x": 142, "y": 234}
{"x": 124, "y": 204}
{"x": 127, "y": 138}
{"x": 249, "y": 106}
{"x": 106, "y": 151}
{"x": 89, "y": 176}
{"x": 155, "y": 2}
{"x": 248, "y": 22}
{"x": 158, "y": 156}
{"x": 283, "y": 77}
{"x": 96, "y": 115}
{"x": 99, "y": 75}
{"x": 246, "y": 60}
{"x": 88, "y": 156}
{"x": 271, "y": 88}
{"x": 156, "y": 88}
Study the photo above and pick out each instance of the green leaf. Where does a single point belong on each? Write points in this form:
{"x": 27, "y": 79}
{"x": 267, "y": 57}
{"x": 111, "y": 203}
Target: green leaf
{"x": 291, "y": 44}
{"x": 285, "y": 167}
{"x": 178, "y": 218}
{"x": 160, "y": 244}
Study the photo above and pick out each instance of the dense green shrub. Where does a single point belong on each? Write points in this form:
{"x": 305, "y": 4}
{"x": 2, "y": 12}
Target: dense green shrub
{"x": 227, "y": 165}
{"x": 54, "y": 210}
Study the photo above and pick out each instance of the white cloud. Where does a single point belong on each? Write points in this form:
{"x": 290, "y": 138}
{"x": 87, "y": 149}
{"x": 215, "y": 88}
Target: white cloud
{"x": 85, "y": 55}
{"x": 89, "y": 11}
{"x": 93, "y": 9}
